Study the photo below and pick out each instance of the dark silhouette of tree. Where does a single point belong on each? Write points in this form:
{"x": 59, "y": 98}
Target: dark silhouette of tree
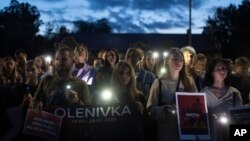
{"x": 19, "y": 24}
{"x": 84, "y": 27}
{"x": 49, "y": 30}
{"x": 100, "y": 26}
{"x": 229, "y": 30}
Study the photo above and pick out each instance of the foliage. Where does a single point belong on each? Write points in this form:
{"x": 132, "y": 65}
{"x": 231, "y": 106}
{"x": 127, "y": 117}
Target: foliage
{"x": 229, "y": 29}
{"x": 19, "y": 24}
{"x": 100, "y": 26}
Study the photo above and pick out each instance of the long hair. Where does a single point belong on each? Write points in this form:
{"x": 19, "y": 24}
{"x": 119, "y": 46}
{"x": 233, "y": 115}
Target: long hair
{"x": 209, "y": 78}
{"x": 13, "y": 76}
{"x": 106, "y": 62}
{"x": 155, "y": 69}
{"x": 43, "y": 67}
{"x": 132, "y": 83}
{"x": 182, "y": 74}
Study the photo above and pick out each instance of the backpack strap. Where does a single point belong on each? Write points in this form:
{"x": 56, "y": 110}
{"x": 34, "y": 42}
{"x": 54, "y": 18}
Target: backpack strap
{"x": 177, "y": 86}
{"x": 234, "y": 97}
{"x": 160, "y": 92}
{"x": 144, "y": 77}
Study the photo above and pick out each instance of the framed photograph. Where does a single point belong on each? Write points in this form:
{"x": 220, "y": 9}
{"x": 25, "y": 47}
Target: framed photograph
{"x": 192, "y": 116}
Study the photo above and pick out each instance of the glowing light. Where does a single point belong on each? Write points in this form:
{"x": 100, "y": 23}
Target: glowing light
{"x": 165, "y": 54}
{"x": 223, "y": 120}
{"x": 68, "y": 87}
{"x": 155, "y": 54}
{"x": 106, "y": 95}
{"x": 163, "y": 70}
{"x": 173, "y": 111}
{"x": 48, "y": 59}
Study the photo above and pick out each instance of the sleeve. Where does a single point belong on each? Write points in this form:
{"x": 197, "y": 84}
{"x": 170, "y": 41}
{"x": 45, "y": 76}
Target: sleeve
{"x": 153, "y": 103}
{"x": 84, "y": 95}
{"x": 14, "y": 113}
{"x": 148, "y": 82}
{"x": 11, "y": 97}
{"x": 39, "y": 94}
{"x": 238, "y": 99}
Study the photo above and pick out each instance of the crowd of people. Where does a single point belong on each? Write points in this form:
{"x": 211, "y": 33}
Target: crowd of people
{"x": 137, "y": 78}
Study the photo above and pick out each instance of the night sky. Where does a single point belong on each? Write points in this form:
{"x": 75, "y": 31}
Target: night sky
{"x": 129, "y": 16}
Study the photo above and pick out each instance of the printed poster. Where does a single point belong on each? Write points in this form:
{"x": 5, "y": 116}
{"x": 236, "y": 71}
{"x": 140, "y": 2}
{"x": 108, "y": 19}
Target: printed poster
{"x": 192, "y": 116}
{"x": 44, "y": 124}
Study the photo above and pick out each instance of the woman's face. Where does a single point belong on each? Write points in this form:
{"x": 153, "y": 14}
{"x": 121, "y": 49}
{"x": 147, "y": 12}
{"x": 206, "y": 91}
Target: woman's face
{"x": 220, "y": 71}
{"x": 149, "y": 61}
{"x": 32, "y": 71}
{"x": 39, "y": 61}
{"x": 200, "y": 65}
{"x": 9, "y": 65}
{"x": 133, "y": 58}
{"x": 124, "y": 76}
{"x": 175, "y": 62}
{"x": 111, "y": 57}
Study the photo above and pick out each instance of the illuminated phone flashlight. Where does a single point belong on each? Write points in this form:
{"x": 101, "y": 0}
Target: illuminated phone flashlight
{"x": 155, "y": 54}
{"x": 106, "y": 95}
{"x": 68, "y": 87}
{"x": 163, "y": 70}
{"x": 165, "y": 54}
{"x": 48, "y": 59}
{"x": 223, "y": 119}
{"x": 173, "y": 111}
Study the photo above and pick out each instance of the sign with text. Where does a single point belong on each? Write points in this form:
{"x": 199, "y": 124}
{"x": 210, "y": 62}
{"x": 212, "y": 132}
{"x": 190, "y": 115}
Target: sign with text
{"x": 109, "y": 122}
{"x": 240, "y": 115}
{"x": 192, "y": 116}
{"x": 44, "y": 124}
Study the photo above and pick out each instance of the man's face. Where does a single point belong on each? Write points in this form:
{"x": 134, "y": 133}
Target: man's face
{"x": 81, "y": 56}
{"x": 63, "y": 61}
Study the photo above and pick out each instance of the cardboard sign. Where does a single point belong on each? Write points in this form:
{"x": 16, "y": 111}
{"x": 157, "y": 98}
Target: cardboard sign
{"x": 44, "y": 124}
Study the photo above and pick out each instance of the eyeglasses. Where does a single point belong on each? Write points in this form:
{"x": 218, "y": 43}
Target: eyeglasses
{"x": 221, "y": 69}
{"x": 177, "y": 59}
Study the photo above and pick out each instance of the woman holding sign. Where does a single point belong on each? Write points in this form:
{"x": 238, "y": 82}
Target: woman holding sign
{"x": 124, "y": 92}
{"x": 161, "y": 102}
{"x": 220, "y": 97}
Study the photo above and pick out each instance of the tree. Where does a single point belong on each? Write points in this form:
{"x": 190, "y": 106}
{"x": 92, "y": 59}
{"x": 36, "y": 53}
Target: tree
{"x": 19, "y": 25}
{"x": 100, "y": 26}
{"x": 49, "y": 30}
{"x": 229, "y": 29}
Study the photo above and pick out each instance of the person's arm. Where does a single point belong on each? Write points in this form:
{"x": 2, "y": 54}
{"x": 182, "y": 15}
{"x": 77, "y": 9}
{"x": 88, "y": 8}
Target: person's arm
{"x": 39, "y": 94}
{"x": 15, "y": 116}
{"x": 84, "y": 95}
{"x": 153, "y": 103}
{"x": 238, "y": 98}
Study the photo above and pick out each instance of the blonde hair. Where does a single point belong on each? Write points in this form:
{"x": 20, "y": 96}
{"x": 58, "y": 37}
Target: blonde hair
{"x": 85, "y": 49}
{"x": 132, "y": 83}
{"x": 182, "y": 74}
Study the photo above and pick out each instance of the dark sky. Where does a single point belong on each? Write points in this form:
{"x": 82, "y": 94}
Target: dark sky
{"x": 129, "y": 16}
